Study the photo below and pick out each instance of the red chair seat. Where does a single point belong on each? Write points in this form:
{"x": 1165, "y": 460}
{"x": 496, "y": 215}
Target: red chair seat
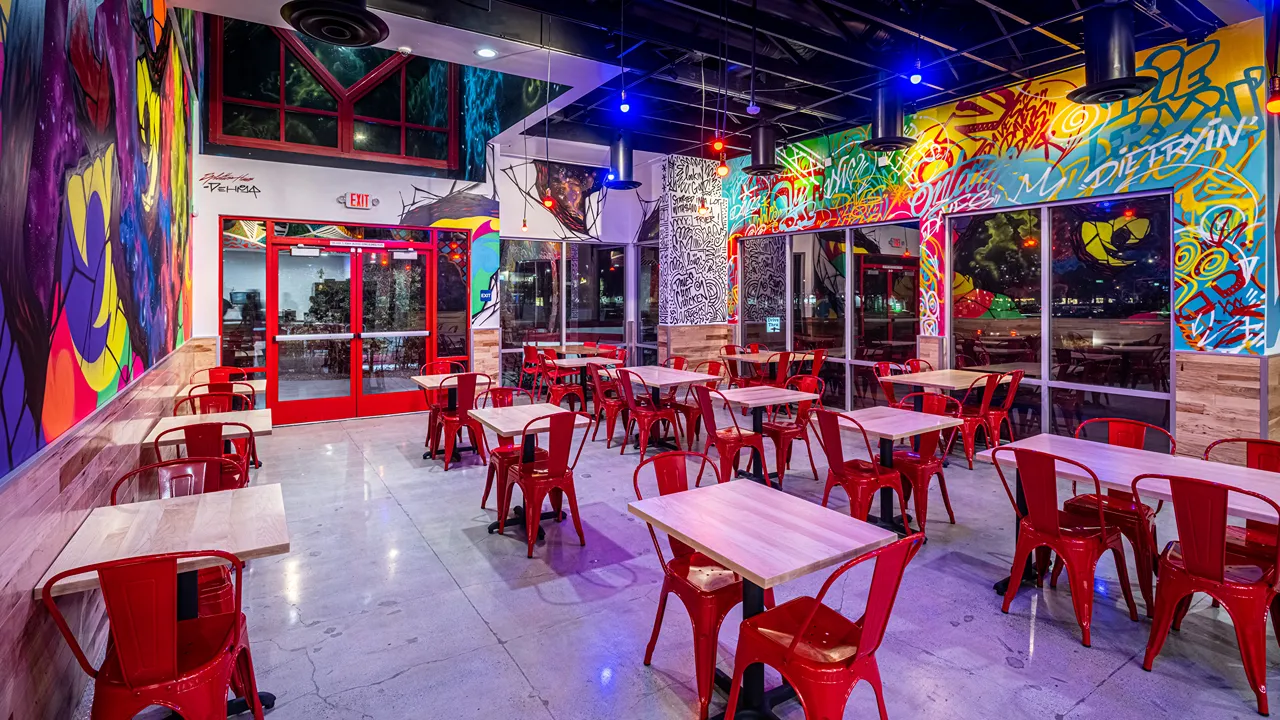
{"x": 704, "y": 574}
{"x": 1238, "y": 570}
{"x": 866, "y": 468}
{"x": 830, "y": 639}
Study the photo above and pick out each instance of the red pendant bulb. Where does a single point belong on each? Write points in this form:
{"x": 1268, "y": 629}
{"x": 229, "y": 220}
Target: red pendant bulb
{"x": 524, "y": 225}
{"x": 717, "y": 145}
{"x": 723, "y": 168}
{"x": 548, "y": 201}
{"x": 1273, "y": 95}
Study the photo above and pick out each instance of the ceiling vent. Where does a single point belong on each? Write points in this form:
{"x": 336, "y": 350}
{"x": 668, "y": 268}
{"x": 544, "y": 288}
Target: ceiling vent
{"x": 764, "y": 140}
{"x": 338, "y": 22}
{"x": 1108, "y": 58}
{"x": 621, "y": 166}
{"x": 886, "y": 121}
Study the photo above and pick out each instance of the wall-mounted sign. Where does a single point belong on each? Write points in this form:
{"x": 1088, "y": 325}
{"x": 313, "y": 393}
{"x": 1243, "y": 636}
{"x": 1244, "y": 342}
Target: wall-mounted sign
{"x": 773, "y": 324}
{"x": 404, "y": 254}
{"x": 486, "y": 295}
{"x": 229, "y": 183}
{"x": 358, "y": 201}
{"x": 357, "y": 244}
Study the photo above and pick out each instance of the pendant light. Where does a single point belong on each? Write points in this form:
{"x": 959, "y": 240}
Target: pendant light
{"x": 886, "y": 120}
{"x": 764, "y": 140}
{"x": 621, "y": 165}
{"x": 1109, "y": 63}
{"x": 547, "y": 201}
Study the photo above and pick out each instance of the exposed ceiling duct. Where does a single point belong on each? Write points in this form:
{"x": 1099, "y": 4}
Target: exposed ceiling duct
{"x": 764, "y": 140}
{"x": 1109, "y": 57}
{"x": 886, "y": 121}
{"x": 621, "y": 166}
{"x": 337, "y": 22}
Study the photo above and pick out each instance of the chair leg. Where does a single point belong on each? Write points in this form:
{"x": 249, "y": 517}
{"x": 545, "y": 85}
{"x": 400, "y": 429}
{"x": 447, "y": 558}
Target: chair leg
{"x": 573, "y": 510}
{"x": 1143, "y": 566}
{"x": 1081, "y": 581}
{"x": 488, "y": 483}
{"x": 1125, "y": 588}
{"x": 781, "y": 450}
{"x": 809, "y": 449}
{"x": 706, "y": 640}
{"x": 871, "y": 673}
{"x": 657, "y": 622}
{"x": 532, "y": 513}
{"x": 450, "y": 438}
{"x": 1020, "y": 556}
{"x": 610, "y": 418}
{"x": 1058, "y": 565}
{"x": 921, "y": 494}
{"x": 946, "y": 499}
{"x": 831, "y": 483}
{"x": 1167, "y": 600}
{"x": 1180, "y": 612}
{"x": 1251, "y": 633}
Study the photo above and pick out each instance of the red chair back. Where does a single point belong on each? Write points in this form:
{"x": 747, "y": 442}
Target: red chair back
{"x": 671, "y": 473}
{"x": 758, "y": 347}
{"x": 502, "y": 397}
{"x": 783, "y": 361}
{"x": 706, "y": 408}
{"x": 173, "y": 478}
{"x": 141, "y": 596}
{"x": 443, "y": 367}
{"x": 599, "y": 386}
{"x": 620, "y": 354}
{"x": 989, "y": 383}
{"x": 229, "y": 386}
{"x": 588, "y": 343}
{"x": 819, "y": 357}
{"x": 830, "y": 440}
{"x": 607, "y": 351}
{"x": 883, "y": 370}
{"x": 1127, "y": 433}
{"x": 732, "y": 366}
{"x": 675, "y": 362}
{"x": 915, "y": 365}
{"x": 710, "y": 367}
{"x": 809, "y": 384}
{"x": 626, "y": 382}
{"x": 1258, "y": 454}
{"x": 1039, "y": 473}
{"x": 1200, "y": 510}
{"x": 220, "y": 373}
{"x": 530, "y": 356}
{"x": 891, "y": 563}
{"x": 1011, "y": 392}
{"x": 465, "y": 390}
{"x": 211, "y": 402}
{"x": 560, "y": 440}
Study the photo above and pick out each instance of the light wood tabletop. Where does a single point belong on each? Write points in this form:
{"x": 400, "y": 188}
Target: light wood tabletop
{"x": 1117, "y": 467}
{"x": 581, "y": 362}
{"x": 437, "y": 382}
{"x": 896, "y": 423}
{"x": 941, "y": 379}
{"x": 764, "y": 357}
{"x": 259, "y": 421}
{"x": 656, "y": 376}
{"x": 758, "y": 397}
{"x": 510, "y": 421}
{"x": 766, "y": 536}
{"x": 248, "y": 523}
{"x": 571, "y": 349}
{"x": 259, "y": 387}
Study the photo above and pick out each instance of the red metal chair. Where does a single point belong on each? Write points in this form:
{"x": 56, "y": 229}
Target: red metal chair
{"x": 552, "y": 475}
{"x": 860, "y": 479}
{"x": 220, "y": 373}
{"x": 675, "y": 362}
{"x": 783, "y": 434}
{"x": 728, "y": 442}
{"x": 882, "y": 371}
{"x": 607, "y": 351}
{"x": 999, "y": 416}
{"x": 1136, "y": 521}
{"x": 916, "y": 365}
{"x": 1201, "y": 561}
{"x": 708, "y": 589}
{"x": 918, "y": 466}
{"x": 506, "y": 453}
{"x": 1076, "y": 542}
{"x": 206, "y": 440}
{"x": 231, "y": 386}
{"x": 690, "y": 411}
{"x": 180, "y": 478}
{"x": 1257, "y": 537}
{"x": 560, "y": 383}
{"x": 620, "y": 354}
{"x": 819, "y": 357}
{"x": 152, "y": 658}
{"x": 777, "y": 378}
{"x": 733, "y": 367}
{"x": 642, "y": 413}
{"x": 604, "y": 395}
{"x": 531, "y": 368}
{"x": 974, "y": 417}
{"x": 437, "y": 400}
{"x": 453, "y": 423}
{"x": 758, "y": 347}
{"x": 819, "y": 651}
{"x": 209, "y": 403}
{"x": 589, "y": 344}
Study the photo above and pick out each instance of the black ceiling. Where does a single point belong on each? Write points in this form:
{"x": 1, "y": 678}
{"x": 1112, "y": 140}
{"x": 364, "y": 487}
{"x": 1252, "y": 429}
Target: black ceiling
{"x": 817, "y": 61}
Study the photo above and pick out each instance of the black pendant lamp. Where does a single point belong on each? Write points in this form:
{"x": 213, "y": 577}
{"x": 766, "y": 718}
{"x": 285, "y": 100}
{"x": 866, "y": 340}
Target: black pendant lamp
{"x": 1109, "y": 57}
{"x": 621, "y": 166}
{"x": 764, "y": 140}
{"x": 338, "y": 22}
{"x": 886, "y": 121}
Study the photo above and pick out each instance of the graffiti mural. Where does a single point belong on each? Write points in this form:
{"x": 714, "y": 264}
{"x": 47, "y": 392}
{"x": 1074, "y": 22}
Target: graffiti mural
{"x": 95, "y": 208}
{"x": 1199, "y": 134}
{"x": 692, "y": 245}
{"x": 577, "y": 192}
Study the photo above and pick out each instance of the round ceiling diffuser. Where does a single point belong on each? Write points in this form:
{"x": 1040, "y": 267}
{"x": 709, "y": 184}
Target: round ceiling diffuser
{"x": 338, "y": 22}
{"x": 1109, "y": 58}
{"x": 764, "y": 140}
{"x": 886, "y": 122}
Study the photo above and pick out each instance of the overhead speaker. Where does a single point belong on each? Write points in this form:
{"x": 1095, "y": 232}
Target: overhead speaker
{"x": 1109, "y": 58}
{"x": 621, "y": 164}
{"x": 886, "y": 121}
{"x": 764, "y": 141}
{"x": 338, "y": 22}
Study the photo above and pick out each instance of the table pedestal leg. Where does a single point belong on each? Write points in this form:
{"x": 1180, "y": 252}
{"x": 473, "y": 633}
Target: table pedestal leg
{"x": 457, "y": 449}
{"x": 754, "y": 701}
{"x": 757, "y": 472}
{"x": 1029, "y": 574}
{"x": 517, "y": 518}
{"x": 886, "y": 518}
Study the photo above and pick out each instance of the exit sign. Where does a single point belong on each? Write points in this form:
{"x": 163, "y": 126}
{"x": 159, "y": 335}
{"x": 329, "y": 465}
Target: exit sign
{"x": 358, "y": 201}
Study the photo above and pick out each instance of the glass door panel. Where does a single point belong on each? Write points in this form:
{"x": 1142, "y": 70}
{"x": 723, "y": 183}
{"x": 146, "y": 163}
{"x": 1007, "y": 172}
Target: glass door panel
{"x": 394, "y": 332}
{"x": 596, "y": 277}
{"x": 453, "y": 297}
{"x": 995, "y": 289}
{"x": 313, "y": 334}
{"x": 764, "y": 292}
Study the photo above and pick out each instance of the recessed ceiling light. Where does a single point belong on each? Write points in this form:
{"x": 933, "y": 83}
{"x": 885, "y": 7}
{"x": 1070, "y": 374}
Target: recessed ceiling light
{"x": 487, "y": 53}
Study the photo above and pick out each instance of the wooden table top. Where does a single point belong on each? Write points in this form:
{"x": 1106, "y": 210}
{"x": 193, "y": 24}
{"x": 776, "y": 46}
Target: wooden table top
{"x": 665, "y": 377}
{"x": 570, "y": 349}
{"x": 764, "y": 535}
{"x": 581, "y": 362}
{"x": 762, "y": 357}
{"x": 259, "y": 387}
{"x": 510, "y": 421}
{"x": 754, "y": 397}
{"x": 248, "y": 523}
{"x": 436, "y": 382}
{"x": 896, "y": 423}
{"x": 259, "y": 421}
{"x": 1117, "y": 467}
{"x": 943, "y": 379}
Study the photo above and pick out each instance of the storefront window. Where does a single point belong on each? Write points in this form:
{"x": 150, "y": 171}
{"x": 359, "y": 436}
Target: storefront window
{"x": 764, "y": 292}
{"x": 995, "y": 289}
{"x": 530, "y": 293}
{"x": 596, "y": 278}
{"x": 648, "y": 294}
{"x": 886, "y": 321}
{"x": 818, "y": 292}
{"x": 244, "y": 284}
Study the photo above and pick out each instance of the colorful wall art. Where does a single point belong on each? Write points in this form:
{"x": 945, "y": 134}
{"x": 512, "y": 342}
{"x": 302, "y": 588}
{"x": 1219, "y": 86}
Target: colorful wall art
{"x": 1199, "y": 134}
{"x": 692, "y": 246}
{"x": 95, "y": 206}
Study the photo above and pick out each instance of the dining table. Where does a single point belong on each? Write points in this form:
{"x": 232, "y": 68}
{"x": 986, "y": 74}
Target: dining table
{"x": 581, "y": 365}
{"x": 766, "y": 537}
{"x": 759, "y": 398}
{"x": 259, "y": 422}
{"x": 512, "y": 422}
{"x": 247, "y": 522}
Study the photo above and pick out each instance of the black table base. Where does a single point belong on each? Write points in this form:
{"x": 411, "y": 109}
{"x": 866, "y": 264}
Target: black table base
{"x": 517, "y": 518}
{"x": 886, "y": 519}
{"x": 1029, "y": 575}
{"x": 753, "y": 700}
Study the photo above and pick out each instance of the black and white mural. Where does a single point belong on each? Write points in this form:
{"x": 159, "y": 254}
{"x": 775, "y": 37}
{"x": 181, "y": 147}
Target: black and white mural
{"x": 693, "y": 246}
{"x": 764, "y": 278}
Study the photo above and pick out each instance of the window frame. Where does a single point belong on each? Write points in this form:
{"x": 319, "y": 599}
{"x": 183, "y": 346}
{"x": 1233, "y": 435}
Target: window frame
{"x": 346, "y": 98}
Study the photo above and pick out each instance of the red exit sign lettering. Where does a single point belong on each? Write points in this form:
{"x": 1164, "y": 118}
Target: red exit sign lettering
{"x": 358, "y": 201}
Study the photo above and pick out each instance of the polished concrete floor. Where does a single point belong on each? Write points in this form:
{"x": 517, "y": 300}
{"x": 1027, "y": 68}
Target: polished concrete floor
{"x": 396, "y": 603}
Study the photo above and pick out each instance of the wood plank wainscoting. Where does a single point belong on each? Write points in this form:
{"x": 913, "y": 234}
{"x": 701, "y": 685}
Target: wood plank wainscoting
{"x": 1223, "y": 396}
{"x": 695, "y": 343}
{"x": 930, "y": 348}
{"x": 484, "y": 351}
{"x": 41, "y": 505}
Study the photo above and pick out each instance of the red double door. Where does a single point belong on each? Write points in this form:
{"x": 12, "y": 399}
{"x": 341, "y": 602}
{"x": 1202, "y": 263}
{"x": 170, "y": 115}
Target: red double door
{"x": 349, "y": 323}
